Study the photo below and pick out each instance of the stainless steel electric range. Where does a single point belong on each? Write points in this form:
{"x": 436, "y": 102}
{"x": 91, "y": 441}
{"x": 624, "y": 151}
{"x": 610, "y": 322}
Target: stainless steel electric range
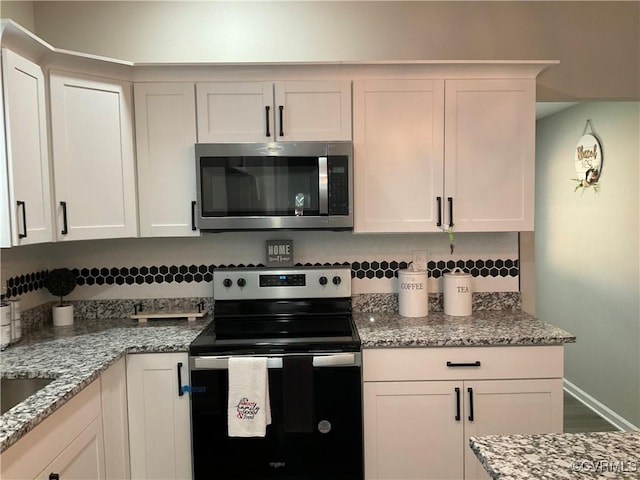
{"x": 293, "y": 316}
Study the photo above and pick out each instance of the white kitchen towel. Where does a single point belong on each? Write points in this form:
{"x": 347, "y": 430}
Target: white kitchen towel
{"x": 249, "y": 411}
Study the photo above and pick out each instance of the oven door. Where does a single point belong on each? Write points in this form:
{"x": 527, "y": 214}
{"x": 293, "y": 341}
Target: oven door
{"x": 333, "y": 450}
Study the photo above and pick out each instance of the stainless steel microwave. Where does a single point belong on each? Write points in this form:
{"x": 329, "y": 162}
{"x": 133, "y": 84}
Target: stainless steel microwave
{"x": 280, "y": 185}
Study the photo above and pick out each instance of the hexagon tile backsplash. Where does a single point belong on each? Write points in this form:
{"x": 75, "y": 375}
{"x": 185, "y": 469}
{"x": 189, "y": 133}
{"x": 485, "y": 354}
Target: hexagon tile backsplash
{"x": 499, "y": 271}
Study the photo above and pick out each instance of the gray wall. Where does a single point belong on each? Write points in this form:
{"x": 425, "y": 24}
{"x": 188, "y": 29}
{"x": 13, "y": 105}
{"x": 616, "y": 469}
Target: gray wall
{"x": 587, "y": 251}
{"x": 20, "y": 12}
{"x": 597, "y": 43}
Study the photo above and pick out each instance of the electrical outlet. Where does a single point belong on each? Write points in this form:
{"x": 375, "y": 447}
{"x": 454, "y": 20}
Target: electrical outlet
{"x": 420, "y": 259}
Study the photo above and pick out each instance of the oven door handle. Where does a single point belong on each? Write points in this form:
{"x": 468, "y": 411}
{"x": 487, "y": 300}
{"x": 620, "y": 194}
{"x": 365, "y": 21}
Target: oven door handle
{"x": 331, "y": 360}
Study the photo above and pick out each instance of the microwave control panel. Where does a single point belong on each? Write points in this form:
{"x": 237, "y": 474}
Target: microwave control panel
{"x": 338, "y": 173}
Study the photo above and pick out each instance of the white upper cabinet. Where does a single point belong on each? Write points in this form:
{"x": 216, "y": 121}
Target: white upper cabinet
{"x": 26, "y": 211}
{"x": 165, "y": 116}
{"x": 490, "y": 154}
{"x": 430, "y": 154}
{"x": 398, "y": 142}
{"x": 273, "y": 111}
{"x": 93, "y": 159}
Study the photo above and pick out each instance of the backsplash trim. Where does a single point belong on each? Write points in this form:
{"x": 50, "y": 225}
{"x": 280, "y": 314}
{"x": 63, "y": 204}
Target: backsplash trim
{"x": 149, "y": 275}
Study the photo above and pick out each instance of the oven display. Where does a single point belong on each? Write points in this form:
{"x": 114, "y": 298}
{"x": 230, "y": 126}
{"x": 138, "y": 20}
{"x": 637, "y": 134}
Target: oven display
{"x": 292, "y": 280}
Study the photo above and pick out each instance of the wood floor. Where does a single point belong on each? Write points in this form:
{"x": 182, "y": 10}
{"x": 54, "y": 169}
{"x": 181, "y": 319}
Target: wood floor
{"x": 580, "y": 418}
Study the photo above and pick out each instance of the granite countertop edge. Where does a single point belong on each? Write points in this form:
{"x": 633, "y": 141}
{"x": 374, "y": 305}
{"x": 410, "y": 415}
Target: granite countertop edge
{"x": 482, "y": 328}
{"x": 74, "y": 361}
{"x": 77, "y": 357}
{"x": 557, "y": 456}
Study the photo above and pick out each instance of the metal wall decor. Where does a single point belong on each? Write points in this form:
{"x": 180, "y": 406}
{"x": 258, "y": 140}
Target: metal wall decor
{"x": 588, "y": 160}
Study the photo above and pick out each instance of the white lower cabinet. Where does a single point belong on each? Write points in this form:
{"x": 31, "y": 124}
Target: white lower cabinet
{"x": 159, "y": 418}
{"x": 422, "y": 405}
{"x": 69, "y": 443}
{"x": 115, "y": 421}
{"x": 410, "y": 431}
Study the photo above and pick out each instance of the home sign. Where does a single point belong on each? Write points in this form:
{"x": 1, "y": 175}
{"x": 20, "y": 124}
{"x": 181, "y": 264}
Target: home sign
{"x": 279, "y": 253}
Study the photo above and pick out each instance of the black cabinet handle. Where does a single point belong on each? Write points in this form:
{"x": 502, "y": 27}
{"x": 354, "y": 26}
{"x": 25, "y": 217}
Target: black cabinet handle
{"x": 193, "y": 215}
{"x": 180, "y": 392}
{"x": 439, "y": 202}
{"x": 470, "y": 391}
{"x": 65, "y": 227}
{"x": 457, "y": 404}
{"x": 267, "y": 108}
{"x": 450, "y": 200}
{"x": 463, "y": 364}
{"x": 24, "y": 219}
{"x": 281, "y": 109}
{"x": 54, "y": 476}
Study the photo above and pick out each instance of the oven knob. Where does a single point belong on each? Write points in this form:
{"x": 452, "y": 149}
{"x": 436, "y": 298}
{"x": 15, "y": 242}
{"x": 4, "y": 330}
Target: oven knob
{"x": 323, "y": 280}
{"x": 336, "y": 280}
{"x": 227, "y": 282}
{"x": 242, "y": 282}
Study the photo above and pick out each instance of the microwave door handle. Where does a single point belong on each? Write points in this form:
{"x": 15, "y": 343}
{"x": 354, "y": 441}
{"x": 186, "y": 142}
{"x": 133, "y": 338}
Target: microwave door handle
{"x": 323, "y": 186}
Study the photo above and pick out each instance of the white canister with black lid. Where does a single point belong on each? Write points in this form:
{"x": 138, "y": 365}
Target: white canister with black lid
{"x": 413, "y": 296}
{"x": 457, "y": 293}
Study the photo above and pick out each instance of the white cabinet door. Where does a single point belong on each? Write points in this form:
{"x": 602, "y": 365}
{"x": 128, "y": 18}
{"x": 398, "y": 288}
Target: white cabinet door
{"x": 82, "y": 459}
{"x": 313, "y": 110}
{"x": 411, "y": 431}
{"x": 490, "y": 154}
{"x": 419, "y": 412}
{"x": 231, "y": 112}
{"x": 159, "y": 419}
{"x": 27, "y": 162}
{"x": 93, "y": 158}
{"x": 165, "y": 136}
{"x": 69, "y": 442}
{"x": 506, "y": 407}
{"x": 115, "y": 421}
{"x": 398, "y": 154}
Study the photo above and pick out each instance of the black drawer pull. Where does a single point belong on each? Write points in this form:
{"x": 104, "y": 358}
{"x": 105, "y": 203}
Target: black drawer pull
{"x": 65, "y": 226}
{"x": 24, "y": 219}
{"x": 280, "y": 109}
{"x": 457, "y": 417}
{"x": 439, "y": 203}
{"x": 463, "y": 364}
{"x": 54, "y": 476}
{"x": 266, "y": 110}
{"x": 470, "y": 390}
{"x": 193, "y": 215}
{"x": 180, "y": 391}
{"x": 450, "y": 200}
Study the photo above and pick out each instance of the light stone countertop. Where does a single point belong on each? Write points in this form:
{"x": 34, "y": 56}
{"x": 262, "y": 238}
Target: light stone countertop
{"x": 76, "y": 355}
{"x": 483, "y": 328}
{"x": 560, "y": 456}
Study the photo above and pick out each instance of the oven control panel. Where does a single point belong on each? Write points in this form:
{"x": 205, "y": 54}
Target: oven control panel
{"x": 275, "y": 283}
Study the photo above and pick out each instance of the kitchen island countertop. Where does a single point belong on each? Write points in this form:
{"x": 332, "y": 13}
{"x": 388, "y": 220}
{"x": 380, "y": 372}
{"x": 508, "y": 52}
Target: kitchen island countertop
{"x": 557, "y": 456}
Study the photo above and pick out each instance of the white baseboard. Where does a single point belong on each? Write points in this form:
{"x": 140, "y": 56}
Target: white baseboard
{"x": 599, "y": 408}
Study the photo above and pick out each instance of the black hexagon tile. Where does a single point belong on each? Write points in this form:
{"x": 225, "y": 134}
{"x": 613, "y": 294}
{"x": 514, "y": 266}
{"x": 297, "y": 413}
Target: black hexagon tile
{"x": 141, "y": 275}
